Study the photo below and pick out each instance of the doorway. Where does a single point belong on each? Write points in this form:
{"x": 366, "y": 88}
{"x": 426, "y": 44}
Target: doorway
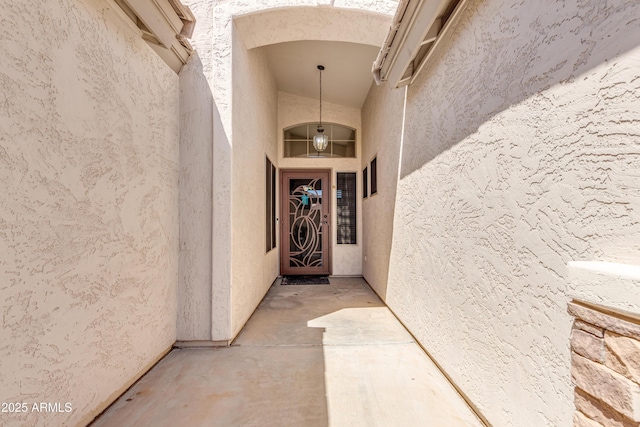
{"x": 306, "y": 225}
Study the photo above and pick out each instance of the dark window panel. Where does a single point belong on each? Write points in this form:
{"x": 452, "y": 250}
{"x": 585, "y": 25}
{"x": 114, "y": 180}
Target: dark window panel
{"x": 365, "y": 181}
{"x": 270, "y": 205}
{"x": 374, "y": 176}
{"x": 346, "y": 203}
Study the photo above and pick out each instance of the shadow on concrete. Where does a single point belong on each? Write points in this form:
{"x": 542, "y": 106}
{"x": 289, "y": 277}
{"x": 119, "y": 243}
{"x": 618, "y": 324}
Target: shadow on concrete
{"x": 309, "y": 356}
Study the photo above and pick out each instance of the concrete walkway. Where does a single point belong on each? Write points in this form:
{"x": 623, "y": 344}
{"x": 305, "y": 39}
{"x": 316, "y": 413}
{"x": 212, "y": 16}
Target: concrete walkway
{"x": 314, "y": 355}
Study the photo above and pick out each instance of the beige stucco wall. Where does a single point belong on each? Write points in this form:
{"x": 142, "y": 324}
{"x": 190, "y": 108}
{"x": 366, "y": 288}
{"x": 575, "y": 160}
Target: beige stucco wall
{"x": 255, "y": 103}
{"x": 196, "y": 207}
{"x": 88, "y": 210}
{"x": 243, "y": 132}
{"x": 382, "y": 119}
{"x": 204, "y": 289}
{"x": 520, "y": 153}
{"x": 293, "y": 110}
{"x": 197, "y": 117}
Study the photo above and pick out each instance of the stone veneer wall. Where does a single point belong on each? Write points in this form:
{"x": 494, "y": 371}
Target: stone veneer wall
{"x": 605, "y": 367}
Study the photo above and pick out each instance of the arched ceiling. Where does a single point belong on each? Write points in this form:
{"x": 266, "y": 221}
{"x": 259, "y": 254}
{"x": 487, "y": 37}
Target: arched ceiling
{"x": 347, "y": 76}
{"x": 297, "y": 39}
{"x": 312, "y": 23}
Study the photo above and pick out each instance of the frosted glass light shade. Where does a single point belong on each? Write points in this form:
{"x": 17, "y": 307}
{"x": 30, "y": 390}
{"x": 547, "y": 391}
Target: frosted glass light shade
{"x": 320, "y": 141}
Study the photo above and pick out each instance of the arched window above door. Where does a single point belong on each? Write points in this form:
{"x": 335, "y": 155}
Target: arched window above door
{"x": 298, "y": 141}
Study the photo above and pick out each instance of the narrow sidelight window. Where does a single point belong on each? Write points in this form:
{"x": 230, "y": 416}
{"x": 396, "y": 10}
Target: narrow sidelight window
{"x": 365, "y": 180}
{"x": 374, "y": 176}
{"x": 270, "y": 205}
{"x": 346, "y": 202}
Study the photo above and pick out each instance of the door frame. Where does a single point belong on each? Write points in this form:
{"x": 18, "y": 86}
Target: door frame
{"x": 284, "y": 213}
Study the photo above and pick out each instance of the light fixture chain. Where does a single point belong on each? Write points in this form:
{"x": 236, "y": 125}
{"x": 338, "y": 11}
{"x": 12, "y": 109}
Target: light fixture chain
{"x": 320, "y": 140}
{"x": 320, "y": 97}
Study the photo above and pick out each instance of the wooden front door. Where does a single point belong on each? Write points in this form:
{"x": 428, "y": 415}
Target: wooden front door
{"x": 306, "y": 231}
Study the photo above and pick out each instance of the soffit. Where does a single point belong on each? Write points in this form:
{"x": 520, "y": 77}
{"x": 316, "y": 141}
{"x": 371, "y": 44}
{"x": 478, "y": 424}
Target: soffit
{"x": 164, "y": 24}
{"x": 417, "y": 29}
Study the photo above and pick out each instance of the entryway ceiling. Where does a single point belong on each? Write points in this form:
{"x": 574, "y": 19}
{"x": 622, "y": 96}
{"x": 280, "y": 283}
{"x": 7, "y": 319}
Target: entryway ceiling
{"x": 347, "y": 76}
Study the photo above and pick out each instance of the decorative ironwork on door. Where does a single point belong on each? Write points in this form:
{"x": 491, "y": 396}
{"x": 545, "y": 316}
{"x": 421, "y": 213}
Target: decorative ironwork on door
{"x": 305, "y": 211}
{"x": 306, "y": 223}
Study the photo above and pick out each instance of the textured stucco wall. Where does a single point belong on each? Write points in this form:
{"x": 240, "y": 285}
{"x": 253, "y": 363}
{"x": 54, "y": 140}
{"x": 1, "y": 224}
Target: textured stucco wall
{"x": 233, "y": 298}
{"x": 197, "y": 112}
{"x": 382, "y": 119}
{"x": 255, "y": 103}
{"x": 88, "y": 210}
{"x": 613, "y": 285}
{"x": 196, "y": 207}
{"x": 520, "y": 153}
{"x": 204, "y": 291}
{"x": 293, "y": 110}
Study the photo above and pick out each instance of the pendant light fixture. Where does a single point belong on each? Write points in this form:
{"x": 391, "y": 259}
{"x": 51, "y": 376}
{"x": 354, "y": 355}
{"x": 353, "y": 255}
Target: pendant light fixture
{"x": 320, "y": 140}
